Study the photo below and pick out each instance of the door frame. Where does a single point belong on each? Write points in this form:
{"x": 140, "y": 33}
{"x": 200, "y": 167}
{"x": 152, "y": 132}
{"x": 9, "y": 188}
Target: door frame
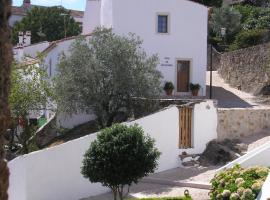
{"x": 190, "y": 74}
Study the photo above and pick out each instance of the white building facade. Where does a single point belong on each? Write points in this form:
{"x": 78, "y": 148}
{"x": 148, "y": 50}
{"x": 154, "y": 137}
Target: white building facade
{"x": 175, "y": 30}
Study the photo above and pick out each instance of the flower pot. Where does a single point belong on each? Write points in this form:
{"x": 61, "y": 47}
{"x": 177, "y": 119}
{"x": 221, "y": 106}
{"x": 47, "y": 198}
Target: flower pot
{"x": 169, "y": 92}
{"x": 195, "y": 92}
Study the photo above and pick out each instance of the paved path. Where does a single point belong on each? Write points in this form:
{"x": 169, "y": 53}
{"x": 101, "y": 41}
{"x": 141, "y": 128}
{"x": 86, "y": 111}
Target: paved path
{"x": 229, "y": 97}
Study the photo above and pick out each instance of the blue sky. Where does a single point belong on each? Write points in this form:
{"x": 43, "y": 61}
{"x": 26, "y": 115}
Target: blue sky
{"x": 70, "y": 4}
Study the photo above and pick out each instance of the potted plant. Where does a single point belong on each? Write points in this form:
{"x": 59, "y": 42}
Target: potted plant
{"x": 194, "y": 89}
{"x": 168, "y": 88}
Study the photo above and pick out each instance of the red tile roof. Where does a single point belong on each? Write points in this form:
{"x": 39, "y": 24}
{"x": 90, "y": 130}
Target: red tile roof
{"x": 21, "y": 10}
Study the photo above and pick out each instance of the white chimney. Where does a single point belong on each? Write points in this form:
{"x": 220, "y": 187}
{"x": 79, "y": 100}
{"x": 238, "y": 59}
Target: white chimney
{"x": 27, "y": 38}
{"x": 20, "y": 37}
{"x": 20, "y": 53}
{"x": 91, "y": 18}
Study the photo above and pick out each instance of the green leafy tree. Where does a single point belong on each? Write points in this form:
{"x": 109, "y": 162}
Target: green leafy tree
{"x": 30, "y": 92}
{"x": 249, "y": 38}
{"x": 120, "y": 156}
{"x": 259, "y": 3}
{"x": 259, "y": 19}
{"x": 104, "y": 75}
{"x": 47, "y": 24}
{"x": 210, "y": 3}
{"x": 225, "y": 17}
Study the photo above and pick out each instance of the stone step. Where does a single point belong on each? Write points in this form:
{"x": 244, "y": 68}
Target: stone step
{"x": 183, "y": 156}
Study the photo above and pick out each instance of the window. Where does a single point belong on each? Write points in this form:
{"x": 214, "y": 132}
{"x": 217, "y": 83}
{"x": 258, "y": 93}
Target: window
{"x": 162, "y": 24}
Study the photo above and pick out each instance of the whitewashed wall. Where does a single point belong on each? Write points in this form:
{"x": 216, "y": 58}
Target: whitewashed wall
{"x": 54, "y": 173}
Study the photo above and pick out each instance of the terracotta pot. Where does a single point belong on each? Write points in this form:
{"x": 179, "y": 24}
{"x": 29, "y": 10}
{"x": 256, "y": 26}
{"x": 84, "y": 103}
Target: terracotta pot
{"x": 169, "y": 92}
{"x": 195, "y": 92}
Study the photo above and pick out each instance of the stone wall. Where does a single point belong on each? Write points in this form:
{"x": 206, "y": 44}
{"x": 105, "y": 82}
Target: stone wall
{"x": 239, "y": 122}
{"x": 248, "y": 69}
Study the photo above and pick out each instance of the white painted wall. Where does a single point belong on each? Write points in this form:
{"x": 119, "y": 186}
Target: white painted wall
{"x": 187, "y": 38}
{"x": 54, "y": 173}
{"x": 70, "y": 121}
{"x": 91, "y": 19}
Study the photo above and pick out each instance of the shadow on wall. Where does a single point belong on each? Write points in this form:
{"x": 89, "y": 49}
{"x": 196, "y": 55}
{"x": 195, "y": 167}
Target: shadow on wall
{"x": 227, "y": 99}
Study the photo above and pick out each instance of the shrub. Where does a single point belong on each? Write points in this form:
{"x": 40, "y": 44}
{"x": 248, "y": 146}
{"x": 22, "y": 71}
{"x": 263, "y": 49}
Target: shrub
{"x": 120, "y": 156}
{"x": 250, "y": 38}
{"x": 238, "y": 183}
{"x": 168, "y": 86}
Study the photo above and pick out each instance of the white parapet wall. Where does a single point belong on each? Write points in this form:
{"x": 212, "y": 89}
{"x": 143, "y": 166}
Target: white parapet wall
{"x": 54, "y": 173}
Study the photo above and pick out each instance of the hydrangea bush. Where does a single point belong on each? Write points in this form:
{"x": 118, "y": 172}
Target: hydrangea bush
{"x": 238, "y": 183}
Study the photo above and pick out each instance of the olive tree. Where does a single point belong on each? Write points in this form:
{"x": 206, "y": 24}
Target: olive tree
{"x": 104, "y": 75}
{"x": 120, "y": 156}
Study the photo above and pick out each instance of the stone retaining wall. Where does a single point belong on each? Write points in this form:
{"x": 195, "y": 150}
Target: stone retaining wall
{"x": 236, "y": 123}
{"x": 248, "y": 69}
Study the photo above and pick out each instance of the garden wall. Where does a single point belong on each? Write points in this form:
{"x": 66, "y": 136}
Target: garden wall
{"x": 239, "y": 122}
{"x": 54, "y": 173}
{"x": 248, "y": 68}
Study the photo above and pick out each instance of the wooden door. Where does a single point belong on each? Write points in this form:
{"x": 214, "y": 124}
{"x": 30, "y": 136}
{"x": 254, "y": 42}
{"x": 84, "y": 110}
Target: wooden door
{"x": 185, "y": 127}
{"x": 183, "y": 72}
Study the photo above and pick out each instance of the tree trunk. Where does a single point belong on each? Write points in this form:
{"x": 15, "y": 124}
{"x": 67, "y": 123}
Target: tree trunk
{"x": 5, "y": 66}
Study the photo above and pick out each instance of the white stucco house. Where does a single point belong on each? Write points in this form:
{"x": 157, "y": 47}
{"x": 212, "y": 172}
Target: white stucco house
{"x": 175, "y": 30}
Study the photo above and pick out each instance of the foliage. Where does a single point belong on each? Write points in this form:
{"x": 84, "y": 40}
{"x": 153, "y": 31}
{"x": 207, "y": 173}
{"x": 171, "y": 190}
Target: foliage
{"x": 30, "y": 92}
{"x": 238, "y": 183}
{"x": 259, "y": 3}
{"x": 225, "y": 17}
{"x": 46, "y": 24}
{"x": 104, "y": 75}
{"x": 246, "y": 11}
{"x": 168, "y": 86}
{"x": 258, "y": 19}
{"x": 194, "y": 86}
{"x": 210, "y": 3}
{"x": 249, "y": 38}
{"x": 120, "y": 156}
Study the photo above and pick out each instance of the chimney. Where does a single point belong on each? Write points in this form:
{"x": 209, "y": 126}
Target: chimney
{"x": 27, "y": 38}
{"x": 91, "y": 18}
{"x": 26, "y": 4}
{"x": 20, "y": 38}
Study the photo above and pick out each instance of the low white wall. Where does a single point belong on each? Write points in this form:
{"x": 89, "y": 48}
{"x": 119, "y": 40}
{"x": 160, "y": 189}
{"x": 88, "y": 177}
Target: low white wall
{"x": 54, "y": 173}
{"x": 164, "y": 128}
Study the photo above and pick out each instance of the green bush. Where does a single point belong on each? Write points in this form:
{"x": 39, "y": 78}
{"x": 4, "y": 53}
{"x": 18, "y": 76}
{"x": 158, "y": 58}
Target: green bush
{"x": 248, "y": 38}
{"x": 238, "y": 183}
{"x": 120, "y": 156}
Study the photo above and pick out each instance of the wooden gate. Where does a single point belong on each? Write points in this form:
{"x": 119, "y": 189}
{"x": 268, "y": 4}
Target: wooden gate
{"x": 185, "y": 124}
